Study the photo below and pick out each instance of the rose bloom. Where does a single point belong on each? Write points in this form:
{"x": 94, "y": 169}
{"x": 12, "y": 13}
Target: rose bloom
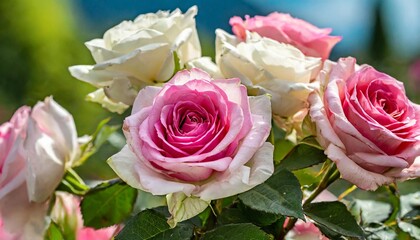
{"x": 66, "y": 213}
{"x": 137, "y": 53}
{"x": 199, "y": 136}
{"x": 366, "y": 124}
{"x": 35, "y": 148}
{"x": 309, "y": 39}
{"x": 271, "y": 67}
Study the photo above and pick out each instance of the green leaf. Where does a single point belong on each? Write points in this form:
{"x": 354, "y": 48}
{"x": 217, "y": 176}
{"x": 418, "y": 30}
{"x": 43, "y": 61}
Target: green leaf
{"x": 108, "y": 204}
{"x": 101, "y": 134}
{"x": 303, "y": 156}
{"x": 243, "y": 231}
{"x": 244, "y": 214}
{"x": 335, "y": 217}
{"x": 280, "y": 194}
{"x": 146, "y": 200}
{"x": 53, "y": 232}
{"x": 308, "y": 176}
{"x": 415, "y": 213}
{"x": 149, "y": 224}
{"x": 369, "y": 211}
{"x": 232, "y": 215}
{"x": 104, "y": 133}
{"x": 281, "y": 149}
{"x": 73, "y": 183}
{"x": 259, "y": 218}
{"x": 328, "y": 233}
{"x": 311, "y": 141}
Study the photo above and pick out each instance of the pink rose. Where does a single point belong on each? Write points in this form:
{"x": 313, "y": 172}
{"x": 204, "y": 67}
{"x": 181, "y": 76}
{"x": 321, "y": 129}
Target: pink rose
{"x": 366, "y": 124}
{"x": 312, "y": 41}
{"x": 5, "y": 234}
{"x": 35, "y": 147}
{"x": 66, "y": 213}
{"x": 196, "y": 135}
{"x": 97, "y": 234}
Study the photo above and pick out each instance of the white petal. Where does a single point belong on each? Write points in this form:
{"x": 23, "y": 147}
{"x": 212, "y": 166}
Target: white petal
{"x": 135, "y": 173}
{"x": 99, "y": 96}
{"x": 206, "y": 64}
{"x": 51, "y": 147}
{"x": 96, "y": 78}
{"x": 99, "y": 51}
{"x": 153, "y": 62}
{"x": 287, "y": 97}
{"x": 45, "y": 165}
{"x": 23, "y": 217}
{"x": 122, "y": 90}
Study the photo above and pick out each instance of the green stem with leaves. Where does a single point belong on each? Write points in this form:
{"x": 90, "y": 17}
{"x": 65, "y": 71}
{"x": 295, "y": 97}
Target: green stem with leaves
{"x": 329, "y": 177}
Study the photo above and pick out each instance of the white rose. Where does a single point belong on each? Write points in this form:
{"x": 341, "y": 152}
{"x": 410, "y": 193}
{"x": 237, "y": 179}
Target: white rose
{"x": 278, "y": 69}
{"x": 142, "y": 52}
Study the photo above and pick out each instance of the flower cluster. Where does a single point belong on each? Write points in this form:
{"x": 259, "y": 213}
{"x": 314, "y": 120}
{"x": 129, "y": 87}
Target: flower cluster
{"x": 211, "y": 134}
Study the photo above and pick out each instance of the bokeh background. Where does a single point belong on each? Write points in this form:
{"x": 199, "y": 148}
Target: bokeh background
{"x": 39, "y": 40}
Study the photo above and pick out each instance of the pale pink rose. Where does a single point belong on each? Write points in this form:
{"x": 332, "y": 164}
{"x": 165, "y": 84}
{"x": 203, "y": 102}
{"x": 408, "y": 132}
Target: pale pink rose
{"x": 12, "y": 164}
{"x": 200, "y": 136}
{"x": 97, "y": 234}
{"x": 35, "y": 147}
{"x": 5, "y": 235}
{"x": 366, "y": 124}
{"x": 66, "y": 213}
{"x": 19, "y": 215}
{"x": 51, "y": 146}
{"x": 309, "y": 39}
{"x": 12, "y": 154}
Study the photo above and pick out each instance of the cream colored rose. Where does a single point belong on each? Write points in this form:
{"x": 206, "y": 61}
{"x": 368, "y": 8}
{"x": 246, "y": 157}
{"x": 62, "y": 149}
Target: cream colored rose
{"x": 278, "y": 69}
{"x": 142, "y": 52}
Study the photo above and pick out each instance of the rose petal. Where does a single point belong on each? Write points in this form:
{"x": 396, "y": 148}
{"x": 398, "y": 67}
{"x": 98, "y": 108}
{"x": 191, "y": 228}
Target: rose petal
{"x": 51, "y": 147}
{"x": 325, "y": 131}
{"x": 206, "y": 64}
{"x": 138, "y": 175}
{"x": 99, "y": 96}
{"x": 243, "y": 178}
{"x": 99, "y": 51}
{"x": 355, "y": 174}
{"x": 261, "y": 113}
{"x": 23, "y": 217}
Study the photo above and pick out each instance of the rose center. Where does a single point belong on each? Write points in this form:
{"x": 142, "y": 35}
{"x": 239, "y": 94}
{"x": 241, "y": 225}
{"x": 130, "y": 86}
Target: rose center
{"x": 388, "y": 104}
{"x": 190, "y": 121}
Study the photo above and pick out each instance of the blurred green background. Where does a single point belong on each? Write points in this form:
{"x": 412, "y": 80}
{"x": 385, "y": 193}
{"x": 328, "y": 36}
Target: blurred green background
{"x": 39, "y": 40}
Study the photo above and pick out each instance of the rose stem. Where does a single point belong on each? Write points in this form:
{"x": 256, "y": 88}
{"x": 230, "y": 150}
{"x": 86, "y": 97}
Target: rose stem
{"x": 330, "y": 176}
{"x": 347, "y": 192}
